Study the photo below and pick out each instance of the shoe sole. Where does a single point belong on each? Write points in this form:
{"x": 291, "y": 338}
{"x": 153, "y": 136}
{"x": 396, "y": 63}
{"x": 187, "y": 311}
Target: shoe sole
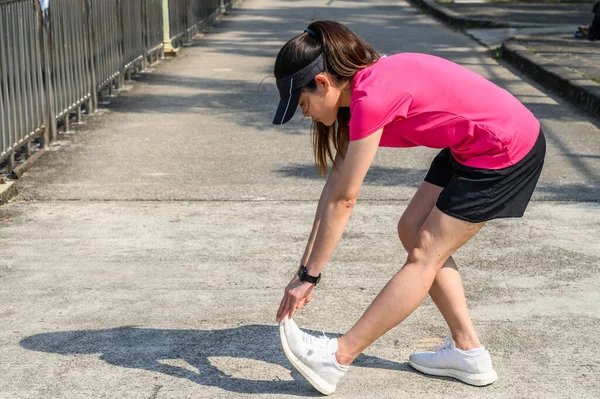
{"x": 317, "y": 382}
{"x": 478, "y": 380}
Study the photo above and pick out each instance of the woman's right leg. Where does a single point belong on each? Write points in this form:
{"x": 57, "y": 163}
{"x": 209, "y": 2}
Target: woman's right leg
{"x": 324, "y": 361}
{"x": 447, "y": 290}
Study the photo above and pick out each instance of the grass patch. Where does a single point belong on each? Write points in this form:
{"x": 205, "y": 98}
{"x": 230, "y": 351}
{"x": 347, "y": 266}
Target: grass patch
{"x": 532, "y": 49}
{"x": 597, "y": 80}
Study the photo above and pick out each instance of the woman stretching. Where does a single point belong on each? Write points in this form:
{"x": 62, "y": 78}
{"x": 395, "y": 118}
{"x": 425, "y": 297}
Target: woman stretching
{"x": 492, "y": 153}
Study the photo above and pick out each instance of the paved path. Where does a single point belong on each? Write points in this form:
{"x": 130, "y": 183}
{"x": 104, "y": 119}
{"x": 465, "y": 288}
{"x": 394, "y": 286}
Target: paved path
{"x": 146, "y": 257}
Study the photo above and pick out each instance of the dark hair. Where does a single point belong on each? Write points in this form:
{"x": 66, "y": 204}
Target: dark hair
{"x": 344, "y": 54}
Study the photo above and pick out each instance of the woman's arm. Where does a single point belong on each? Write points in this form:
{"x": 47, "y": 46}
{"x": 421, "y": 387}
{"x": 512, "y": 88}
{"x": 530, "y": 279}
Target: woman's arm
{"x": 341, "y": 201}
{"x": 334, "y": 214}
{"x": 325, "y": 193}
{"x": 327, "y": 189}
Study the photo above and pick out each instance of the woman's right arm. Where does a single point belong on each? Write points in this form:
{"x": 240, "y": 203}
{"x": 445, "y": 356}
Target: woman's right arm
{"x": 331, "y": 180}
{"x": 327, "y": 189}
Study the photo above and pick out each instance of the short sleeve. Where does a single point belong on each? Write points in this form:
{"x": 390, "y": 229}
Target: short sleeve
{"x": 373, "y": 107}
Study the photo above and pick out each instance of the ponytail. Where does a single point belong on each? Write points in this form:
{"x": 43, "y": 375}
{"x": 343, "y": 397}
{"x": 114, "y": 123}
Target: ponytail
{"x": 344, "y": 54}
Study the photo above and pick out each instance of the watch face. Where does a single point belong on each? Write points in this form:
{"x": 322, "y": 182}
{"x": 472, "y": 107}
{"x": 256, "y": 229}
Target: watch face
{"x": 302, "y": 273}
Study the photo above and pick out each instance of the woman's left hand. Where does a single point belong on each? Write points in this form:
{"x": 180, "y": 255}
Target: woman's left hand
{"x": 296, "y": 292}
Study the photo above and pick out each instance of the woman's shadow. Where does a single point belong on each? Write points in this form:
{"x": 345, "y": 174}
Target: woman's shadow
{"x": 144, "y": 348}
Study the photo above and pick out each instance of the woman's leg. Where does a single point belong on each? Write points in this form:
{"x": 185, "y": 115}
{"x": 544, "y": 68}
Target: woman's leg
{"x": 437, "y": 239}
{"x": 447, "y": 289}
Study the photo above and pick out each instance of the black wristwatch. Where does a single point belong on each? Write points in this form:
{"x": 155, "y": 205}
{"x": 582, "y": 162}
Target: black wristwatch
{"x": 304, "y": 276}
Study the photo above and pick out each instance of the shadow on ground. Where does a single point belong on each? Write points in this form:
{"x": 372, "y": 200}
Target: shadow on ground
{"x": 145, "y": 348}
{"x": 377, "y": 175}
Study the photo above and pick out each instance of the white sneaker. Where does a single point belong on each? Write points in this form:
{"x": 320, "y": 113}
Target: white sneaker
{"x": 313, "y": 357}
{"x": 473, "y": 367}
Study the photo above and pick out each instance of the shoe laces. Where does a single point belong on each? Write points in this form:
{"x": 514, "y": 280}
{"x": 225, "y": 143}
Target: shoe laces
{"x": 446, "y": 345}
{"x": 316, "y": 341}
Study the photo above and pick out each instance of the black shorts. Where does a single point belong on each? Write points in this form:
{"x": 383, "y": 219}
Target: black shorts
{"x": 476, "y": 195}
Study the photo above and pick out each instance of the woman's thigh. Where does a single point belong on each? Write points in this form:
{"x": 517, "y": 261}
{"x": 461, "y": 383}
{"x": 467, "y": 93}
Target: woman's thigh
{"x": 417, "y": 212}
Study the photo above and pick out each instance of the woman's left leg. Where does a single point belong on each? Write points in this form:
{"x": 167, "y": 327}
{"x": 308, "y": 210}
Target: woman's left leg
{"x": 439, "y": 237}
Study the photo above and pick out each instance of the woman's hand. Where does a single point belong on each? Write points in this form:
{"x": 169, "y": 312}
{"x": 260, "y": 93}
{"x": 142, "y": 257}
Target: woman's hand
{"x": 297, "y": 294}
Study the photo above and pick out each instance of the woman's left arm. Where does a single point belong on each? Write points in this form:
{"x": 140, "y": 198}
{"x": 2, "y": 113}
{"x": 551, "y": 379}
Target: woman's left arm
{"x": 358, "y": 159}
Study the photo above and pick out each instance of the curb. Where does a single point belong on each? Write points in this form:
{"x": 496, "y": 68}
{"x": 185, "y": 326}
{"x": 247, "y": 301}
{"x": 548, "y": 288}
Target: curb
{"x": 7, "y": 191}
{"x": 580, "y": 90}
{"x": 456, "y": 20}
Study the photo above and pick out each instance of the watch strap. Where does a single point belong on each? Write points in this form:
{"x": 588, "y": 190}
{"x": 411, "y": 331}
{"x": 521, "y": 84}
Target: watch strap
{"x": 304, "y": 276}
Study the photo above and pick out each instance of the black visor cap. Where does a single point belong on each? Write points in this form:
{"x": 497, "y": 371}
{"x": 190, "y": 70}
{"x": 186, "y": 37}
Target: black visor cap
{"x": 290, "y": 89}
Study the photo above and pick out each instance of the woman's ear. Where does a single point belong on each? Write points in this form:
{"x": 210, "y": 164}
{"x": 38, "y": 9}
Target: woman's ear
{"x": 323, "y": 80}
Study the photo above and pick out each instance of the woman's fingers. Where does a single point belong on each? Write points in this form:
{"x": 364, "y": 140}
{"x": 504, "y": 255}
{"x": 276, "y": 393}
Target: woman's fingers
{"x": 282, "y": 307}
{"x": 287, "y": 305}
{"x": 308, "y": 298}
{"x": 292, "y": 302}
{"x": 294, "y": 298}
{"x": 304, "y": 301}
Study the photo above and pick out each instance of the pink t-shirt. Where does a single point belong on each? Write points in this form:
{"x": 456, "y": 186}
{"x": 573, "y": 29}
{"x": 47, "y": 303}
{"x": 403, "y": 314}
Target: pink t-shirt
{"x": 423, "y": 100}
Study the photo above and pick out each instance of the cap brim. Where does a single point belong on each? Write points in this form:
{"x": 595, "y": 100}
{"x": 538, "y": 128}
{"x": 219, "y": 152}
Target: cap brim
{"x": 286, "y": 108}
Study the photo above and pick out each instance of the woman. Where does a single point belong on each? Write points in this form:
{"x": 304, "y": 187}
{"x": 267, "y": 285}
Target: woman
{"x": 492, "y": 155}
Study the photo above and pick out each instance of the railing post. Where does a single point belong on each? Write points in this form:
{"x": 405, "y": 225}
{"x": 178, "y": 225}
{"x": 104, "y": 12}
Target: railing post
{"x": 167, "y": 45}
{"x": 48, "y": 59}
{"x": 39, "y": 29}
{"x": 93, "y": 102}
{"x": 144, "y": 25}
{"x": 120, "y": 81}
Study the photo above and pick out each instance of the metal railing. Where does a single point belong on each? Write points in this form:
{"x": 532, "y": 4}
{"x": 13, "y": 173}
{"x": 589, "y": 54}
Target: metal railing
{"x": 69, "y": 67}
{"x": 22, "y": 91}
{"x": 153, "y": 37}
{"x": 188, "y": 17}
{"x": 105, "y": 31}
{"x": 134, "y": 49}
{"x": 57, "y": 56}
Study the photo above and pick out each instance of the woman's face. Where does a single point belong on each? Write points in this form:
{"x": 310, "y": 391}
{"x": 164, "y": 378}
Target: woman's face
{"x": 321, "y": 105}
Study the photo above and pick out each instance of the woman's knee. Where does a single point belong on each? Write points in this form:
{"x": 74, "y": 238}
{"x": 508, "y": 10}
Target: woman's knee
{"x": 424, "y": 253}
{"x": 407, "y": 231}
{"x": 435, "y": 242}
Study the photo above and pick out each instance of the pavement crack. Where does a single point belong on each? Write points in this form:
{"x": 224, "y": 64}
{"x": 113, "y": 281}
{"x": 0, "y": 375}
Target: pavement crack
{"x": 155, "y": 390}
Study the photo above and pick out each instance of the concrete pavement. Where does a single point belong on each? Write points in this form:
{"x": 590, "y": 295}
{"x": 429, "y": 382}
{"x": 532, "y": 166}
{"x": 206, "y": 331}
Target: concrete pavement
{"x": 146, "y": 256}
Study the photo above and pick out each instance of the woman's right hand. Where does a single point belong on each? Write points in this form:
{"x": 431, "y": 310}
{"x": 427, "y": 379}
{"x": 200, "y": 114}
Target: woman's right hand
{"x": 303, "y": 301}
